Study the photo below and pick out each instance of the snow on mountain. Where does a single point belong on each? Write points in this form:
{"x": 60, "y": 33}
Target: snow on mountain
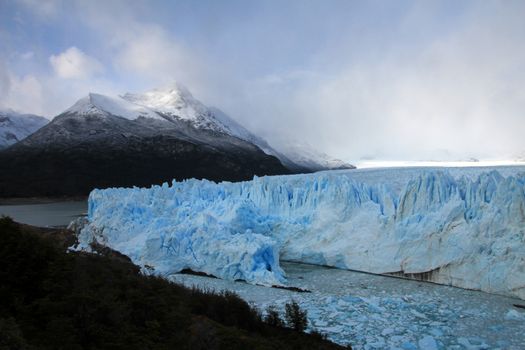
{"x": 297, "y": 156}
{"x": 176, "y": 103}
{"x": 306, "y": 156}
{"x": 235, "y": 129}
{"x": 104, "y": 105}
{"x": 462, "y": 226}
{"x": 17, "y": 126}
{"x": 174, "y": 100}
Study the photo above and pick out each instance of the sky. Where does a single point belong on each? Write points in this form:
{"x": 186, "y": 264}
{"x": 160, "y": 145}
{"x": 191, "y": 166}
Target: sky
{"x": 359, "y": 80}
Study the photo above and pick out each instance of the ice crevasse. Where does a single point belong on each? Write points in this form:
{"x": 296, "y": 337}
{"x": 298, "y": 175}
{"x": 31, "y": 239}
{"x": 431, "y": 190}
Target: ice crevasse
{"x": 459, "y": 228}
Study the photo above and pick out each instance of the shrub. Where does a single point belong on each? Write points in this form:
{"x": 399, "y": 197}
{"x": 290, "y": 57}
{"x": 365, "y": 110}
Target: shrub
{"x": 319, "y": 335}
{"x": 272, "y": 317}
{"x": 295, "y": 317}
{"x": 10, "y": 335}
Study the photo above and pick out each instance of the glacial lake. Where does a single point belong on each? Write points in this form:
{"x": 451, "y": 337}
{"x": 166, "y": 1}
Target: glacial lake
{"x": 45, "y": 214}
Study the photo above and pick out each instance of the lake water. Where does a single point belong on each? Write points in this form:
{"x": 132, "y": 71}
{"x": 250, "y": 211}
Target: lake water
{"x": 45, "y": 214}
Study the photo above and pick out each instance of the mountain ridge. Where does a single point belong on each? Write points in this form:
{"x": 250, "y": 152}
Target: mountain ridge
{"x": 103, "y": 142}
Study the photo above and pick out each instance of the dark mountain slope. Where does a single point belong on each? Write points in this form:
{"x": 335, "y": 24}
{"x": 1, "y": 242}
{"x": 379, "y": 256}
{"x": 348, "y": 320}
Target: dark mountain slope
{"x": 74, "y": 154}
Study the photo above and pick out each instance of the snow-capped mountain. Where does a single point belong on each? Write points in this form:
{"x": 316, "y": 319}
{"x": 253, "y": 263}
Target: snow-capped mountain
{"x": 175, "y": 102}
{"x": 16, "y": 126}
{"x": 129, "y": 140}
{"x": 172, "y": 109}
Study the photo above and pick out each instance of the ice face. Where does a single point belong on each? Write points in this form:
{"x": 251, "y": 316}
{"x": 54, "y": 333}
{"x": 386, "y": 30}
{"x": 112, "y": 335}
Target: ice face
{"x": 462, "y": 227}
{"x": 167, "y": 233}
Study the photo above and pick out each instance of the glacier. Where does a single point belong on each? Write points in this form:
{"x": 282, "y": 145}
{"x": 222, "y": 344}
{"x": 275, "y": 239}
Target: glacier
{"x": 463, "y": 227}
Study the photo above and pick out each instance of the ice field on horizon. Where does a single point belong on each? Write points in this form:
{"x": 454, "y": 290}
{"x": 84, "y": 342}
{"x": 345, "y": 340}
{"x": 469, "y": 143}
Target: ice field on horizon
{"x": 456, "y": 226}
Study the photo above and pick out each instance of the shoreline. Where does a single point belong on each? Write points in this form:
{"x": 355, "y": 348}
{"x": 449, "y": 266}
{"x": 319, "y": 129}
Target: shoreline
{"x": 40, "y": 200}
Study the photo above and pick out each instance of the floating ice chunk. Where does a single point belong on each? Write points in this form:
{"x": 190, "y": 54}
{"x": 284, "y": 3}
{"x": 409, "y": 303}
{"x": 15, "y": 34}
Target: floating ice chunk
{"x": 428, "y": 343}
{"x": 514, "y": 315}
{"x": 409, "y": 346}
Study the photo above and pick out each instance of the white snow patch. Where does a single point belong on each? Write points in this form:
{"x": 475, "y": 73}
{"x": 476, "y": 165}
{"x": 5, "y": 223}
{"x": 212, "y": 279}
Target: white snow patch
{"x": 117, "y": 106}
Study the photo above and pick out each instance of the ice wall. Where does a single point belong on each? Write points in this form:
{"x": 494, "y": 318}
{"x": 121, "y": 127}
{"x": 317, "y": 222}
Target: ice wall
{"x": 466, "y": 230}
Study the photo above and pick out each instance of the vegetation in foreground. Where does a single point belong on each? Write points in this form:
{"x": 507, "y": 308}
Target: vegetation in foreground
{"x": 50, "y": 299}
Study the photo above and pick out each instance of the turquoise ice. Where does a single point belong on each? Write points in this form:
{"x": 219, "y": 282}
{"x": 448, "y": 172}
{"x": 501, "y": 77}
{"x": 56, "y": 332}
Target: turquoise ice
{"x": 459, "y": 226}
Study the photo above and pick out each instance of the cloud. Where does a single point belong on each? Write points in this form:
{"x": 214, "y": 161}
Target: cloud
{"x": 24, "y": 94}
{"x": 44, "y": 9}
{"x": 5, "y": 81}
{"x": 27, "y": 55}
{"x": 151, "y": 53}
{"x": 75, "y": 64}
{"x": 454, "y": 95}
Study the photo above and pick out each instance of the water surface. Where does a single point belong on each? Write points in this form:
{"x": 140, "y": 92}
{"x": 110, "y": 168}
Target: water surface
{"x": 45, "y": 214}
{"x": 379, "y": 312}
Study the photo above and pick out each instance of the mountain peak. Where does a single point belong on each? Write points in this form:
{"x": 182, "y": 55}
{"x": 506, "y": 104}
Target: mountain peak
{"x": 174, "y": 100}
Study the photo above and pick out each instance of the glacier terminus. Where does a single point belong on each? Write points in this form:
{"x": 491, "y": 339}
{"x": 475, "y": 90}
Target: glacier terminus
{"x": 462, "y": 227}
